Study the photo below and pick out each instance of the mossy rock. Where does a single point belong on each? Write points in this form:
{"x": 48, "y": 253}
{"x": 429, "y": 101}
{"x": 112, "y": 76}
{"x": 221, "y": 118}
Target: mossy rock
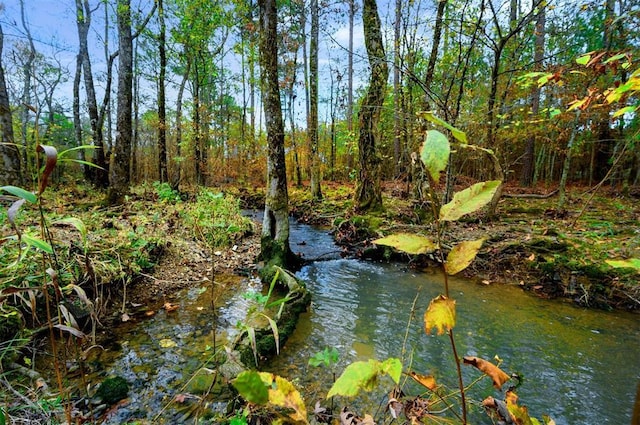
{"x": 112, "y": 390}
{"x": 542, "y": 245}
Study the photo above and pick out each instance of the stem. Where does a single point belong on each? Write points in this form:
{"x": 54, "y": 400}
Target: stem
{"x": 460, "y": 383}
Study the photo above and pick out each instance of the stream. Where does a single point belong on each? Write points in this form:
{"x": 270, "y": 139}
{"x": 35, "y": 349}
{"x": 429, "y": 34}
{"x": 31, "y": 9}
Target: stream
{"x": 579, "y": 366}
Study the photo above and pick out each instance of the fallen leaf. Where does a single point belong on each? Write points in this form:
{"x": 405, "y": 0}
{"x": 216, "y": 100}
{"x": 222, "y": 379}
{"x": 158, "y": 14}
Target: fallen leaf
{"x": 149, "y": 313}
{"x": 125, "y": 317}
{"x": 180, "y": 398}
{"x": 170, "y": 307}
{"x": 167, "y": 343}
{"x": 494, "y": 372}
{"x": 531, "y": 257}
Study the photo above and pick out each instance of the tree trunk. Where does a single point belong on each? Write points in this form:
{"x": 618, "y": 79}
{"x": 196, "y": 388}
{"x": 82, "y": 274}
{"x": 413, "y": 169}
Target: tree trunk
{"x": 175, "y": 181}
{"x": 368, "y": 191}
{"x": 528, "y": 160}
{"x": 162, "y": 111}
{"x": 349, "y": 117}
{"x": 275, "y": 226}
{"x": 10, "y": 174}
{"x": 397, "y": 130}
{"x": 98, "y": 176}
{"x": 316, "y": 191}
{"x": 119, "y": 177}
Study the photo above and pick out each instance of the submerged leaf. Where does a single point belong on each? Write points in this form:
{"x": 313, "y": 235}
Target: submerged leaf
{"x": 441, "y": 315}
{"x": 409, "y": 243}
{"x": 435, "y": 153}
{"x": 494, "y": 372}
{"x": 167, "y": 343}
{"x": 462, "y": 255}
{"x": 469, "y": 200}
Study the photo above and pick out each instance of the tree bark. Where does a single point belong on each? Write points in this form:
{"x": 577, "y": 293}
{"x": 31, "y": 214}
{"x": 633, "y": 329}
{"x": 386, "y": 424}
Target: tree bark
{"x": 316, "y": 191}
{"x": 528, "y": 161}
{"x": 275, "y": 249}
{"x": 10, "y": 174}
{"x": 368, "y": 191}
{"x": 162, "y": 111}
{"x": 119, "y": 176}
{"x": 98, "y": 176}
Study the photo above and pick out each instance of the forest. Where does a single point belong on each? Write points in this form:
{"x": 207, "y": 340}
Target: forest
{"x": 492, "y": 139}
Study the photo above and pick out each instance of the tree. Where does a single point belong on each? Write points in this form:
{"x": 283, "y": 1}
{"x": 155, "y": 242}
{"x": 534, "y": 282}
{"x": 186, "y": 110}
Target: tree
{"x": 98, "y": 176}
{"x": 275, "y": 247}
{"x": 316, "y": 191}
{"x": 119, "y": 173}
{"x": 368, "y": 191}
{"x": 162, "y": 113}
{"x": 11, "y": 169}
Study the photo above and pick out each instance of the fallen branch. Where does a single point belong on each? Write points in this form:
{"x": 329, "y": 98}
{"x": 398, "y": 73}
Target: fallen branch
{"x": 530, "y": 195}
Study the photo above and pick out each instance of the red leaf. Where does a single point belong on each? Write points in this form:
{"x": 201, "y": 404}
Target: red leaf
{"x": 52, "y": 158}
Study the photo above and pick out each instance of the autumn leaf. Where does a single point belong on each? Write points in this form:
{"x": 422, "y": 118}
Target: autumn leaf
{"x": 441, "y": 314}
{"x": 409, "y": 243}
{"x": 462, "y": 255}
{"x": 519, "y": 413}
{"x": 494, "y": 372}
{"x": 469, "y": 200}
{"x": 427, "y": 381}
{"x": 282, "y": 393}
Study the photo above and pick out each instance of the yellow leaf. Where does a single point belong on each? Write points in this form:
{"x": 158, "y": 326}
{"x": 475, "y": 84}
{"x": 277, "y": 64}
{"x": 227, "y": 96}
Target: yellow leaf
{"x": 462, "y": 255}
{"x": 167, "y": 343}
{"x": 282, "y": 393}
{"x": 426, "y": 381}
{"x": 441, "y": 314}
{"x": 409, "y": 243}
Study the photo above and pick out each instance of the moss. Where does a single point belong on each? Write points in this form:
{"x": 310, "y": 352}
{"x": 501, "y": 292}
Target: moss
{"x": 113, "y": 390}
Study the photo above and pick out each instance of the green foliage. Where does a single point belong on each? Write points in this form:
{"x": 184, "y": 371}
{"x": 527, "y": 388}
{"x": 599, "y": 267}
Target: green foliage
{"x": 435, "y": 153}
{"x": 326, "y": 357}
{"x": 216, "y": 219}
{"x": 409, "y": 243}
{"x": 166, "y": 193}
{"x": 364, "y": 376}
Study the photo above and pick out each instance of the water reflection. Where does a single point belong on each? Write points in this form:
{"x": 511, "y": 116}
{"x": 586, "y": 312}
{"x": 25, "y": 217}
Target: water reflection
{"x": 579, "y": 366}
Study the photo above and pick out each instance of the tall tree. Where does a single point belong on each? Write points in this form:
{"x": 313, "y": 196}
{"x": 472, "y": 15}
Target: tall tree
{"x": 11, "y": 167}
{"x": 528, "y": 160}
{"x": 162, "y": 111}
{"x": 119, "y": 173}
{"x": 98, "y": 176}
{"x": 368, "y": 190}
{"x": 316, "y": 191}
{"x": 275, "y": 247}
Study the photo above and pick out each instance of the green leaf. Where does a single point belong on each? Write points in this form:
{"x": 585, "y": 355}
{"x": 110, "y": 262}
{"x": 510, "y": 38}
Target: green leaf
{"x": 251, "y": 387}
{"x": 77, "y": 223}
{"x": 459, "y": 135}
{"x": 584, "y": 59}
{"x": 441, "y": 314}
{"x": 435, "y": 153}
{"x": 21, "y": 193}
{"x": 364, "y": 376}
{"x": 37, "y": 243}
{"x": 469, "y": 200}
{"x": 631, "y": 263}
{"x": 462, "y": 255}
{"x": 625, "y": 110}
{"x": 409, "y": 243}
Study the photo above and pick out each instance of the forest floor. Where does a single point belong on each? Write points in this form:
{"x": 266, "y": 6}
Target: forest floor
{"x": 552, "y": 253}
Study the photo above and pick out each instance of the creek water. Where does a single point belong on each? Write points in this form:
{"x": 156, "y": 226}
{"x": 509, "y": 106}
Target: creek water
{"x": 579, "y": 366}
